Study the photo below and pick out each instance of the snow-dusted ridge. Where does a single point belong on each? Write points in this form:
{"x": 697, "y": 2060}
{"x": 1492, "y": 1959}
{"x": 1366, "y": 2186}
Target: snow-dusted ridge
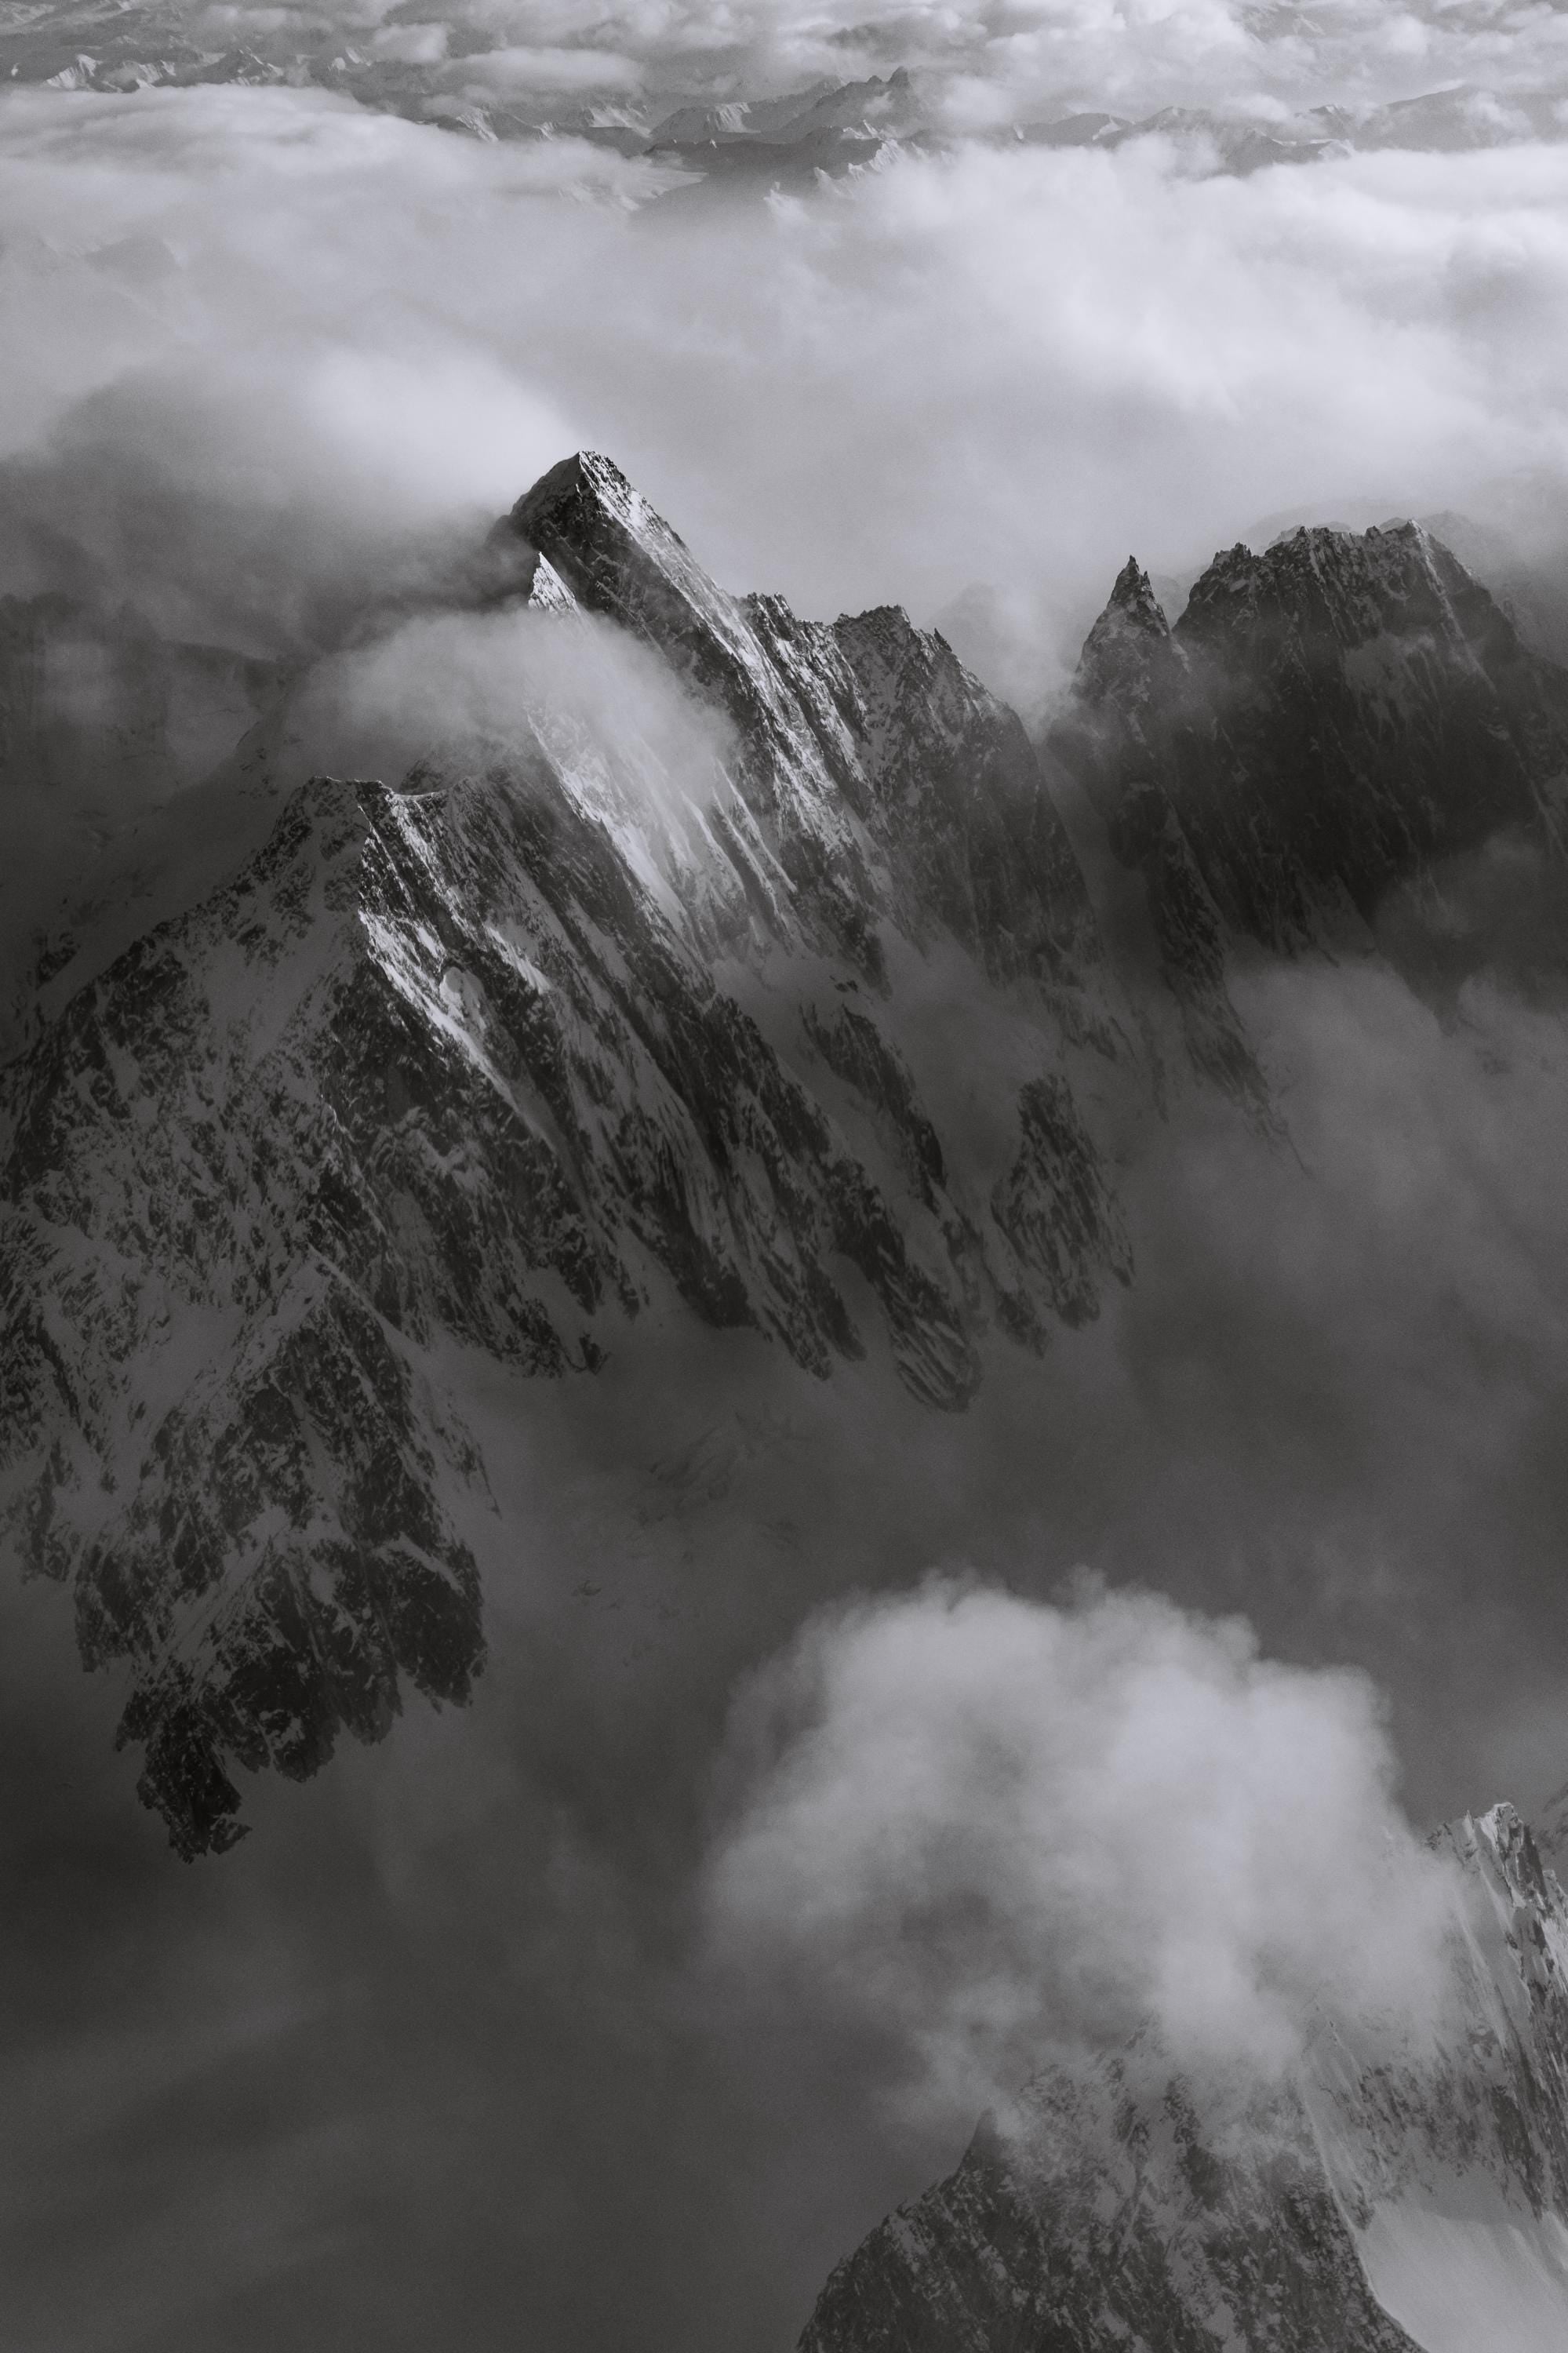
{"x": 455, "y": 1062}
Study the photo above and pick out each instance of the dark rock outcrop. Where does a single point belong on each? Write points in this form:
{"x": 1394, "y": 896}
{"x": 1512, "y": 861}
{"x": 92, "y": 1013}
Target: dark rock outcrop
{"x": 1327, "y": 732}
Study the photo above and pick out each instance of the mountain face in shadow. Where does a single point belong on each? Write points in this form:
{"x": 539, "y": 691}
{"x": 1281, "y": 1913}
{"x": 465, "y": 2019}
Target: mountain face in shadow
{"x": 1337, "y": 747}
{"x": 1325, "y": 720}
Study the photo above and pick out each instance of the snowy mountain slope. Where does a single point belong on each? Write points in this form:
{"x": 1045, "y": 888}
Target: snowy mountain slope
{"x": 1377, "y": 2200}
{"x": 1114, "y": 2213}
{"x": 475, "y": 1060}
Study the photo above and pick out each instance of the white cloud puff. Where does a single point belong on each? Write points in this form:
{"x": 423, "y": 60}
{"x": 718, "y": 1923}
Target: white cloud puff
{"x": 522, "y": 72}
{"x": 414, "y": 45}
{"x": 992, "y": 1829}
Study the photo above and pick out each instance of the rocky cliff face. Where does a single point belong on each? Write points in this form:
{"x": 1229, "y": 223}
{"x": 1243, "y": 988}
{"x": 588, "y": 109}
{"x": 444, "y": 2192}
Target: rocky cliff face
{"x": 883, "y": 778}
{"x": 1374, "y": 2201}
{"x": 495, "y": 1058}
{"x": 1312, "y": 754}
{"x": 1114, "y": 2211}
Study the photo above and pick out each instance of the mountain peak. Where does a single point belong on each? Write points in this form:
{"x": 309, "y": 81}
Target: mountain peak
{"x": 1499, "y": 1845}
{"x": 1327, "y": 720}
{"x": 615, "y": 554}
{"x": 1343, "y": 588}
{"x": 586, "y": 519}
{"x": 1132, "y": 632}
{"x": 1133, "y": 596}
{"x": 586, "y": 478}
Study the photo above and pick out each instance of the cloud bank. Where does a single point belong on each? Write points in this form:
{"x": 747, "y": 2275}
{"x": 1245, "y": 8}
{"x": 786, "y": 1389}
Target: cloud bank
{"x": 265, "y": 355}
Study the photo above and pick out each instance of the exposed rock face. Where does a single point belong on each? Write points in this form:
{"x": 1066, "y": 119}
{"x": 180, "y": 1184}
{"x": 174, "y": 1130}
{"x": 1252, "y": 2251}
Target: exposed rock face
{"x": 453, "y": 1063}
{"x": 1368, "y": 2203}
{"x": 1113, "y": 2212}
{"x": 883, "y": 775}
{"x": 1327, "y": 728}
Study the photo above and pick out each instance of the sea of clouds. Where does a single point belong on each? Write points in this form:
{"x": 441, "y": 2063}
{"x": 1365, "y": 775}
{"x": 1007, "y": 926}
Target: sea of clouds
{"x": 266, "y": 354}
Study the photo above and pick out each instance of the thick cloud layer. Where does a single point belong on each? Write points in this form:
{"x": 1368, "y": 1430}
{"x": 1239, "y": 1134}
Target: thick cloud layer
{"x": 264, "y": 355}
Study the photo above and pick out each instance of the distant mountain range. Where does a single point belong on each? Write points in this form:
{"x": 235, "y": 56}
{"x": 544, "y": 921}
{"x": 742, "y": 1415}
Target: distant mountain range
{"x": 730, "y": 141}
